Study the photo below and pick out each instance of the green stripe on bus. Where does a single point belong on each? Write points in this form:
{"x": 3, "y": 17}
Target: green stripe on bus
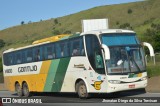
{"x": 60, "y": 74}
{"x": 51, "y": 75}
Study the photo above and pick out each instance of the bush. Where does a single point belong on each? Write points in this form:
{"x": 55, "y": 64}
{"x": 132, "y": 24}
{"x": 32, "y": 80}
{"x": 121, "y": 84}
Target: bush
{"x": 1, "y": 66}
{"x": 117, "y": 23}
{"x": 67, "y": 32}
{"x": 2, "y": 43}
{"x": 56, "y": 32}
{"x": 130, "y": 11}
{"x": 56, "y": 21}
{"x": 125, "y": 25}
{"x": 22, "y": 22}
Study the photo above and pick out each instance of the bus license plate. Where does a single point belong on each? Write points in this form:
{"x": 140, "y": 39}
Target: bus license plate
{"x": 132, "y": 86}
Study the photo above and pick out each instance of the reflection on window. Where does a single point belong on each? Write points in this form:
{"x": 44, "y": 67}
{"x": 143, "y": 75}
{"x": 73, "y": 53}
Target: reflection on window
{"x": 29, "y": 55}
{"x": 56, "y": 50}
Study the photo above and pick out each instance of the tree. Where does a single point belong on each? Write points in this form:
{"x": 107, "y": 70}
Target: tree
{"x": 1, "y": 66}
{"x": 152, "y": 35}
{"x": 125, "y": 25}
{"x": 22, "y": 22}
{"x": 56, "y": 21}
{"x": 129, "y": 11}
{"x": 2, "y": 43}
{"x": 56, "y": 32}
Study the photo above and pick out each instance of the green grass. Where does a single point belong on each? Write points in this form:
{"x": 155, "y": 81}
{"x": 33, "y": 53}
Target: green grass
{"x": 154, "y": 70}
{"x": 143, "y": 14}
{"x": 1, "y": 77}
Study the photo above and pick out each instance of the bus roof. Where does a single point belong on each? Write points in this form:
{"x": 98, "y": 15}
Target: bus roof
{"x": 45, "y": 41}
{"x": 67, "y": 36}
{"x": 97, "y": 32}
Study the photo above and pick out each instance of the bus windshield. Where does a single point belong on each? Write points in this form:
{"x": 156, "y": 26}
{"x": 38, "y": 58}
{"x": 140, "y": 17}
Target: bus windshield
{"x": 126, "y": 55}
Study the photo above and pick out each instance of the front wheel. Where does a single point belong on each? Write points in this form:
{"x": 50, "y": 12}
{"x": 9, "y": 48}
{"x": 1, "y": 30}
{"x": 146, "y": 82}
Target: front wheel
{"x": 25, "y": 90}
{"x": 82, "y": 90}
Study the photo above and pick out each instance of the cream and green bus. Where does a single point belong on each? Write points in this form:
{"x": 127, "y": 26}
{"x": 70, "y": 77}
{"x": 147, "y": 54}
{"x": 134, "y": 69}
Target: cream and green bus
{"x": 100, "y": 61}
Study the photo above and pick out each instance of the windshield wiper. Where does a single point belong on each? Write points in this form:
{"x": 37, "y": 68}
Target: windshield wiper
{"x": 136, "y": 64}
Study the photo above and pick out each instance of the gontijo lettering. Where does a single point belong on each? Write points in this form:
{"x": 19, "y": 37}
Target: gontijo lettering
{"x": 27, "y": 69}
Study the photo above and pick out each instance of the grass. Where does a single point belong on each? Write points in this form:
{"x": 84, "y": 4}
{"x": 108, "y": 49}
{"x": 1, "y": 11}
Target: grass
{"x": 143, "y": 14}
{"x": 154, "y": 70}
{"x": 1, "y": 77}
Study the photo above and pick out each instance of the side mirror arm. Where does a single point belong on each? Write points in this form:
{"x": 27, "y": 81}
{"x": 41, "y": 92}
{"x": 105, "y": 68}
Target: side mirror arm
{"x": 106, "y": 52}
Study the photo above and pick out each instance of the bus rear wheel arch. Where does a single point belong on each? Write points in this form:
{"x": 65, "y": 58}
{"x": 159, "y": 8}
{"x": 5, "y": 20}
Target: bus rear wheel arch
{"x": 18, "y": 89}
{"x": 81, "y": 89}
{"x": 25, "y": 90}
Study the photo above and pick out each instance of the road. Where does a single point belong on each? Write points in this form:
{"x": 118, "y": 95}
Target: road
{"x": 72, "y": 99}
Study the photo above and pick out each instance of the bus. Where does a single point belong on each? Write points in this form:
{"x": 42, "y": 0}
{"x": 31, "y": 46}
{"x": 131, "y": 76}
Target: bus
{"x": 99, "y": 61}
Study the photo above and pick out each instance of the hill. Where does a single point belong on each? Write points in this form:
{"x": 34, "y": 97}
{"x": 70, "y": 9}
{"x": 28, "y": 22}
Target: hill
{"x": 137, "y": 16}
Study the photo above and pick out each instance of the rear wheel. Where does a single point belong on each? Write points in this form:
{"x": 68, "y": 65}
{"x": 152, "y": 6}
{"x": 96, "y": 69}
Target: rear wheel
{"x": 25, "y": 90}
{"x": 18, "y": 90}
{"x": 82, "y": 90}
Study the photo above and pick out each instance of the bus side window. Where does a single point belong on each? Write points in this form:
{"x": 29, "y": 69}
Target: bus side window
{"x": 43, "y": 48}
{"x": 37, "y": 55}
{"x": 66, "y": 48}
{"x": 98, "y": 60}
{"x": 29, "y": 55}
{"x": 49, "y": 52}
{"x": 23, "y": 56}
{"x": 18, "y": 58}
{"x": 58, "y": 50}
{"x": 94, "y": 53}
{"x": 77, "y": 47}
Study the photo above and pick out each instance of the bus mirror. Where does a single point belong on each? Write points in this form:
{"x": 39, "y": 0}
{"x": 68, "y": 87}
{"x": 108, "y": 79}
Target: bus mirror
{"x": 106, "y": 52}
{"x": 149, "y": 46}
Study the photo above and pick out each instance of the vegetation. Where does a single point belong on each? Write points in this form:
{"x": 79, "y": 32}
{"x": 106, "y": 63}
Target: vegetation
{"x": 1, "y": 66}
{"x": 2, "y": 43}
{"x": 1, "y": 77}
{"x": 154, "y": 70}
{"x": 143, "y": 17}
{"x": 152, "y": 35}
{"x": 22, "y": 22}
{"x": 129, "y": 11}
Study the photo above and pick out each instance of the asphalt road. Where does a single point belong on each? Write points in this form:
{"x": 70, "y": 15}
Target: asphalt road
{"x": 70, "y": 99}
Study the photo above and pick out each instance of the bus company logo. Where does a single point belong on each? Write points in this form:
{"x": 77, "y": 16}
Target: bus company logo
{"x": 6, "y": 100}
{"x": 97, "y": 85}
{"x": 27, "y": 69}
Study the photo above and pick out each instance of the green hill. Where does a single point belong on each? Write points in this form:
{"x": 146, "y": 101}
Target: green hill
{"x": 138, "y": 16}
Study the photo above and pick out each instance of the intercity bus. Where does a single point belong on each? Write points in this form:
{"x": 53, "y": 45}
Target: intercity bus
{"x": 100, "y": 61}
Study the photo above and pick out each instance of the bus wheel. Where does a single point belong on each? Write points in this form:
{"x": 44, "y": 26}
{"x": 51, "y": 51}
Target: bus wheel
{"x": 18, "y": 90}
{"x": 82, "y": 90}
{"x": 25, "y": 90}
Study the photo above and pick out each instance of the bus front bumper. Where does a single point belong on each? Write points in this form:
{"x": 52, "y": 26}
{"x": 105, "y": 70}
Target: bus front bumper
{"x": 126, "y": 86}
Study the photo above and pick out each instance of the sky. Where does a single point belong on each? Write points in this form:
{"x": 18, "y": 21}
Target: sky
{"x": 13, "y": 12}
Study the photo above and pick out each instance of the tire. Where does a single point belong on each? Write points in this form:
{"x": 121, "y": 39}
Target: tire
{"x": 18, "y": 90}
{"x": 25, "y": 90}
{"x": 82, "y": 90}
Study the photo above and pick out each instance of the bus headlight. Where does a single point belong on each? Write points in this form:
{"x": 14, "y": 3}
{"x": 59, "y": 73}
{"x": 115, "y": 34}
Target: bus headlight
{"x": 144, "y": 78}
{"x": 114, "y": 81}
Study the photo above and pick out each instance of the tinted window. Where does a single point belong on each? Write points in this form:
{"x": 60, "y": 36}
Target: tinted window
{"x": 50, "y": 52}
{"x": 77, "y": 47}
{"x": 66, "y": 48}
{"x": 94, "y": 53}
{"x": 37, "y": 54}
{"x": 29, "y": 55}
{"x": 18, "y": 58}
